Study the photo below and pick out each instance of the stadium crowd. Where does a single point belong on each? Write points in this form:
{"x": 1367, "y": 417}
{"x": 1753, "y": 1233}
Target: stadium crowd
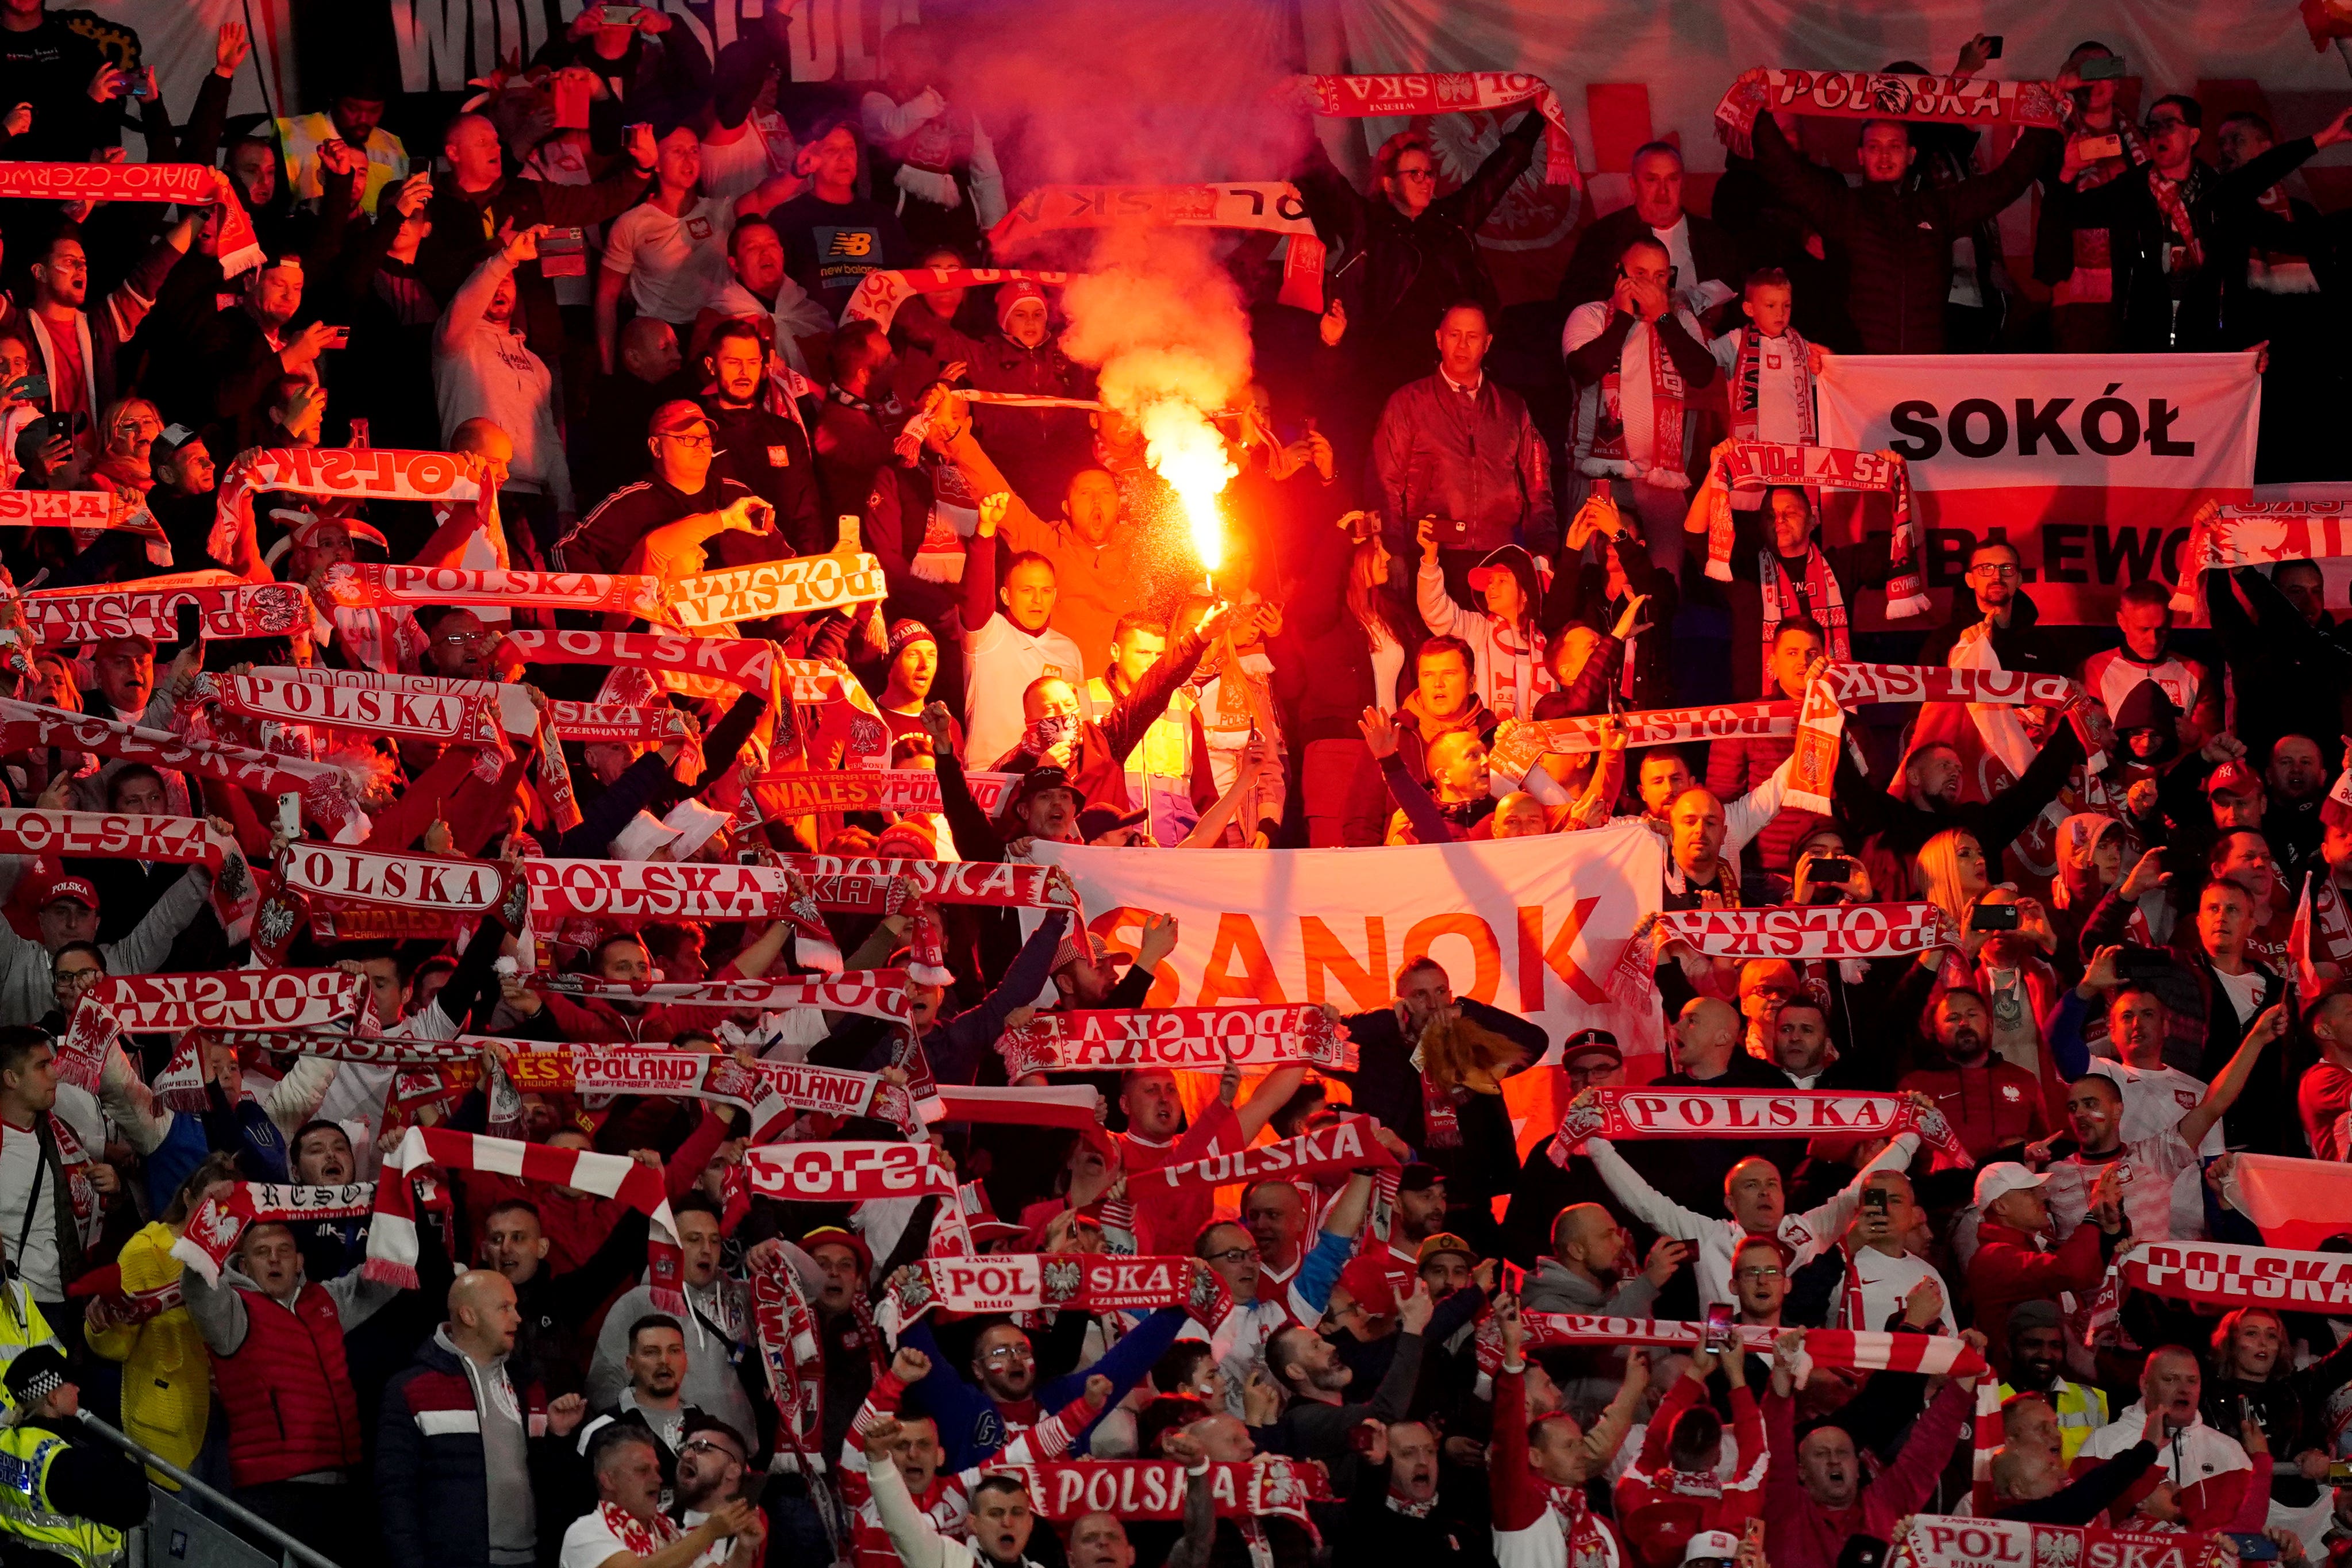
{"x": 594, "y": 1327}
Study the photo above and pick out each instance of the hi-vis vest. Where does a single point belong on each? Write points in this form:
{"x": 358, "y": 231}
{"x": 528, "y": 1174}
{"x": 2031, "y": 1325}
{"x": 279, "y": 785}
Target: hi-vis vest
{"x": 388, "y": 159}
{"x": 2080, "y": 1411}
{"x": 21, "y": 1328}
{"x": 26, "y": 1455}
{"x": 1160, "y": 769}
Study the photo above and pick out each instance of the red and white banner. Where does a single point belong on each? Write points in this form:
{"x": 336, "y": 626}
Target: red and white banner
{"x": 366, "y": 585}
{"x": 1820, "y": 717}
{"x": 1346, "y": 1145}
{"x": 1532, "y": 925}
{"x": 1621, "y": 1113}
{"x": 213, "y": 1230}
{"x": 906, "y": 791}
{"x": 1079, "y": 1281}
{"x": 693, "y": 663}
{"x": 876, "y": 992}
{"x": 795, "y": 587}
{"x": 345, "y": 473}
{"x": 834, "y": 1091}
{"x": 1154, "y": 1489}
{"x": 848, "y": 1172}
{"x": 1816, "y": 930}
{"x": 862, "y": 885}
{"x": 110, "y": 836}
{"x": 1861, "y": 1350}
{"x": 2092, "y": 473}
{"x": 1262, "y": 207}
{"x": 150, "y": 609}
{"x": 2221, "y": 1274}
{"x": 247, "y": 999}
{"x": 1448, "y": 92}
{"x": 879, "y": 294}
{"x": 1202, "y": 1039}
{"x": 441, "y": 883}
{"x": 1966, "y": 1540}
{"x": 1520, "y": 742}
{"x": 325, "y": 789}
{"x": 1885, "y": 95}
{"x": 2295, "y": 1203}
{"x": 190, "y": 185}
{"x": 658, "y": 890}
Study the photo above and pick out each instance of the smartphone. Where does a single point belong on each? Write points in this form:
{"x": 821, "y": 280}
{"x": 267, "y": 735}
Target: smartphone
{"x": 190, "y": 621}
{"x": 1450, "y": 534}
{"x": 1992, "y": 46}
{"x": 2101, "y": 67}
{"x": 2142, "y": 964}
{"x": 1718, "y": 1337}
{"x": 137, "y": 86}
{"x": 848, "y": 536}
{"x": 1831, "y": 868}
{"x": 1993, "y": 917}
{"x": 1874, "y": 1198}
{"x": 570, "y": 95}
{"x": 2088, "y": 148}
{"x": 618, "y": 15}
{"x": 289, "y": 814}
{"x": 563, "y": 253}
{"x": 29, "y": 387}
{"x": 2254, "y": 1548}
{"x": 359, "y": 432}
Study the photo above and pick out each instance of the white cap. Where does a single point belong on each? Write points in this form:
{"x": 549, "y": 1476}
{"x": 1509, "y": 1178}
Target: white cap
{"x": 1709, "y": 1546}
{"x": 2002, "y": 1178}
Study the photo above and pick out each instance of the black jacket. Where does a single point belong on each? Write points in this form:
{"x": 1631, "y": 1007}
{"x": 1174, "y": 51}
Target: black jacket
{"x": 1898, "y": 238}
{"x": 767, "y": 453}
{"x": 1386, "y": 1084}
{"x": 1592, "y": 270}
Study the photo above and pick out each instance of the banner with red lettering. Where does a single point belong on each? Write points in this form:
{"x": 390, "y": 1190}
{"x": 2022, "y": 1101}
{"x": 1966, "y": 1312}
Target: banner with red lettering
{"x": 848, "y": 1172}
{"x": 1886, "y": 95}
{"x": 1532, "y": 925}
{"x": 879, "y": 294}
{"x": 1154, "y": 1489}
{"x": 1261, "y": 207}
{"x": 1077, "y": 1281}
{"x": 345, "y": 473}
{"x": 690, "y": 662}
{"x": 110, "y": 836}
{"x": 1813, "y": 931}
{"x": 904, "y": 792}
{"x": 832, "y": 1091}
{"x": 1448, "y": 92}
{"x": 2225, "y": 1274}
{"x": 795, "y": 587}
{"x": 2092, "y": 470}
{"x": 192, "y": 186}
{"x": 326, "y": 789}
{"x": 1621, "y": 1113}
{"x": 876, "y": 992}
{"x": 1340, "y": 1149}
{"x": 1958, "y": 1541}
{"x": 1521, "y": 742}
{"x": 1200, "y": 1039}
{"x": 56, "y": 617}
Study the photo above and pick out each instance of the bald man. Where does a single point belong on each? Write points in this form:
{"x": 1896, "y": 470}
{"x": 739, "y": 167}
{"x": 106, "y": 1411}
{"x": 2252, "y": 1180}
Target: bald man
{"x": 1753, "y": 1198}
{"x": 460, "y": 1438}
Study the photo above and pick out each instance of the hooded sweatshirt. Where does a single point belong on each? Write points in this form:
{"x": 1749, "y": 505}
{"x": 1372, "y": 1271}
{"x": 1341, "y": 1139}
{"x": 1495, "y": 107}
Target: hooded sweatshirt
{"x": 506, "y": 1455}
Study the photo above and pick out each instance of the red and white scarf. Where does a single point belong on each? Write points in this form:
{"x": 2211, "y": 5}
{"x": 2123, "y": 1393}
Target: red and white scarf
{"x": 1621, "y": 1114}
{"x": 635, "y": 890}
{"x": 2227, "y": 1275}
{"x": 450, "y": 886}
{"x": 838, "y": 1093}
{"x": 784, "y": 1328}
{"x": 1404, "y": 93}
{"x": 902, "y": 791}
{"x": 1075, "y": 1281}
{"x": 2322, "y": 931}
{"x": 1200, "y": 1039}
{"x": 190, "y": 185}
{"x": 848, "y": 1172}
{"x": 1604, "y": 447}
{"x": 350, "y": 473}
{"x": 248, "y": 999}
{"x": 1520, "y": 743}
{"x": 56, "y": 617}
{"x": 861, "y": 884}
{"x": 874, "y": 993}
{"x": 1746, "y": 469}
{"x": 2261, "y": 534}
{"x": 112, "y": 836}
{"x": 1820, "y": 717}
{"x": 638, "y": 1537}
{"x": 89, "y": 513}
{"x": 392, "y": 1237}
{"x": 601, "y": 1070}
{"x": 1341, "y": 1149}
{"x": 1260, "y": 206}
{"x": 1747, "y": 378}
{"x": 1859, "y": 1350}
{"x": 695, "y": 664}
{"x": 420, "y": 714}
{"x": 368, "y": 585}
{"x": 213, "y": 1230}
{"x": 798, "y": 587}
{"x": 880, "y": 294}
{"x": 1954, "y": 1540}
{"x": 1812, "y": 931}
{"x": 1882, "y": 95}
{"x": 1155, "y": 1489}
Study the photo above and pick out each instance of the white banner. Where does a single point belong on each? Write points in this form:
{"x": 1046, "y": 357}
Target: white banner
{"x": 2091, "y": 465}
{"x": 1532, "y": 925}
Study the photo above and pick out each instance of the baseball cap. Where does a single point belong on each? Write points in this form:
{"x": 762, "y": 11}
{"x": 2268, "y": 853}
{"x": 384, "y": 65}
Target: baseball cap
{"x": 1500, "y": 559}
{"x": 1418, "y": 1177}
{"x": 677, "y": 416}
{"x": 2232, "y": 777}
{"x": 1711, "y": 1545}
{"x": 77, "y": 888}
{"x": 1443, "y": 1241}
{"x": 834, "y": 1235}
{"x": 2002, "y": 1177}
{"x": 1591, "y": 1043}
{"x": 1038, "y": 780}
{"x": 1095, "y": 821}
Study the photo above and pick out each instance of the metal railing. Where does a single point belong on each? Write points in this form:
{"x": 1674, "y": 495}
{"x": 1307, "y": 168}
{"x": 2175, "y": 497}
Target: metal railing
{"x": 292, "y": 1553}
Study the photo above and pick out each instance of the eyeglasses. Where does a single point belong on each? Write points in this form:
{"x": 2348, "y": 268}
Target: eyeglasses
{"x": 1756, "y": 1274}
{"x": 1236, "y": 1254}
{"x": 2157, "y": 127}
{"x": 705, "y": 1446}
{"x": 1003, "y": 1355}
{"x": 1582, "y": 1076}
{"x": 702, "y": 441}
{"x": 1416, "y": 174}
{"x": 462, "y": 638}
{"x": 1992, "y": 568}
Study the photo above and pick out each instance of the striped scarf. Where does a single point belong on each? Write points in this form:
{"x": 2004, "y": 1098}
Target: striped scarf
{"x": 1821, "y": 598}
{"x": 1746, "y": 370}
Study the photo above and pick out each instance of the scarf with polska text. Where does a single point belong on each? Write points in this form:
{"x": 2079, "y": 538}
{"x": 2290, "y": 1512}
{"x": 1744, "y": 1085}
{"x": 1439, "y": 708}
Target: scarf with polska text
{"x": 665, "y": 890}
{"x": 1200, "y": 1039}
{"x": 784, "y": 1328}
{"x": 188, "y": 185}
{"x": 862, "y": 884}
{"x": 1684, "y": 1112}
{"x": 89, "y": 513}
{"x": 57, "y": 617}
{"x": 1952, "y": 1541}
{"x": 261, "y": 1000}
{"x": 1859, "y": 1350}
{"x": 392, "y": 1237}
{"x": 1820, "y": 715}
{"x": 2227, "y": 1275}
{"x": 213, "y": 1230}
{"x": 1091, "y": 1283}
{"x": 1520, "y": 743}
{"x": 692, "y": 663}
{"x": 838, "y": 1093}
{"x": 430, "y": 707}
{"x": 1341, "y": 1149}
{"x": 872, "y": 993}
{"x": 112, "y": 836}
{"x": 1888, "y": 95}
{"x": 799, "y": 586}
{"x": 1450, "y": 93}
{"x": 1751, "y": 469}
{"x": 848, "y": 1172}
{"x": 372, "y": 585}
{"x": 1155, "y": 1489}
{"x": 347, "y": 473}
{"x": 1812, "y": 930}
{"x": 1606, "y": 451}
{"x": 1261, "y": 207}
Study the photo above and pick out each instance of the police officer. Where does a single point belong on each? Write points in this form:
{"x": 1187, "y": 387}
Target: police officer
{"x": 63, "y": 1499}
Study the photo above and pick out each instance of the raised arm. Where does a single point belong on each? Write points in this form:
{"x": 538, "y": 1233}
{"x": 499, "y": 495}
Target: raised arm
{"x": 2233, "y": 1078}
{"x": 1649, "y": 1206}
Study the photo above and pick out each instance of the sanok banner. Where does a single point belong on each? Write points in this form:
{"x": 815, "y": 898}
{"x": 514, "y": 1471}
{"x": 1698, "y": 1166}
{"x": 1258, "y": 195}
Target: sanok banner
{"x": 2091, "y": 465}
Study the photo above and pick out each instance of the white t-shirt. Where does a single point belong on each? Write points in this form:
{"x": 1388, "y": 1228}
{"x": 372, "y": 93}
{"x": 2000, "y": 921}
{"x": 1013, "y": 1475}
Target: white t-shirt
{"x": 20, "y": 1166}
{"x": 2245, "y": 992}
{"x": 2155, "y": 1100}
{"x": 1886, "y": 1281}
{"x": 2149, "y": 1169}
{"x": 1588, "y": 321}
{"x": 999, "y": 661}
{"x": 1779, "y": 384}
{"x": 675, "y": 266}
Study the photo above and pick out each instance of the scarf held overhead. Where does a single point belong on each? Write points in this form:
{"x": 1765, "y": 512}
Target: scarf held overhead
{"x": 875, "y": 992}
{"x": 1747, "y": 470}
{"x": 2226, "y": 1275}
{"x": 1081, "y": 1281}
{"x": 347, "y": 473}
{"x": 112, "y": 835}
{"x": 1820, "y": 717}
{"x": 1819, "y": 930}
{"x": 1880, "y": 95}
{"x": 1264, "y": 207}
{"x": 190, "y": 185}
{"x": 879, "y": 295}
{"x": 1857, "y": 1350}
{"x": 1621, "y": 1113}
{"x": 849, "y": 1172}
{"x": 1521, "y": 742}
{"x": 1154, "y": 1489}
{"x": 250, "y": 999}
{"x": 1451, "y": 92}
{"x": 213, "y": 1230}
{"x": 1341, "y": 1149}
{"x": 326, "y": 790}
{"x": 1203, "y": 1040}
{"x": 58, "y": 617}
{"x": 1954, "y": 1540}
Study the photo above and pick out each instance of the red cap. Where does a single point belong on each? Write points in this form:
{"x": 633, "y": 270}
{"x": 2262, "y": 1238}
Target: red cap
{"x": 74, "y": 887}
{"x": 2232, "y": 777}
{"x": 676, "y": 417}
{"x": 1010, "y": 294}
{"x": 834, "y": 1235}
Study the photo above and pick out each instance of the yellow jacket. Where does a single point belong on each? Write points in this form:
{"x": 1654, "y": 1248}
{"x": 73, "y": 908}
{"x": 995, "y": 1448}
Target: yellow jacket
{"x": 166, "y": 1376}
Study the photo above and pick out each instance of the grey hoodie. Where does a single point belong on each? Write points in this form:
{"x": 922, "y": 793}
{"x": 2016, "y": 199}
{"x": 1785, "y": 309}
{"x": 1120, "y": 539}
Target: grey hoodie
{"x": 1556, "y": 1287}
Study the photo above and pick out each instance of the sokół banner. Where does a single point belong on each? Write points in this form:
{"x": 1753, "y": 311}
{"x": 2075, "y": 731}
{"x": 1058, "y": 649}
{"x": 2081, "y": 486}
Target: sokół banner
{"x": 2093, "y": 468}
{"x": 1533, "y": 925}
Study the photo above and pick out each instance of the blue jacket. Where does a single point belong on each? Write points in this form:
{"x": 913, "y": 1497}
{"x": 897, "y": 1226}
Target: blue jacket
{"x": 971, "y": 1428}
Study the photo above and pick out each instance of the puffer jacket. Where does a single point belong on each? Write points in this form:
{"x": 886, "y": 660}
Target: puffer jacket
{"x": 166, "y": 1376}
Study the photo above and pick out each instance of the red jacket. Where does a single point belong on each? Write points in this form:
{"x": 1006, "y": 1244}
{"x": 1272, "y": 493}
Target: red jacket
{"x": 288, "y": 1391}
{"x": 2009, "y": 1267}
{"x": 1995, "y": 1106}
{"x": 1802, "y": 1533}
